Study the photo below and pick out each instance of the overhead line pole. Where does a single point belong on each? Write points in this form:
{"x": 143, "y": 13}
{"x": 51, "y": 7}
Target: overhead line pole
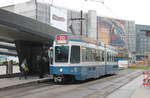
{"x": 81, "y": 23}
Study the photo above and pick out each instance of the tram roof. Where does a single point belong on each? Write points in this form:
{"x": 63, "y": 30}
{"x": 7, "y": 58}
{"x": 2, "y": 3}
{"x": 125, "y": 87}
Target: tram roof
{"x": 89, "y": 40}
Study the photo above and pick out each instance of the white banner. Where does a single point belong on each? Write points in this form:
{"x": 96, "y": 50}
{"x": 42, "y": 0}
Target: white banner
{"x": 58, "y": 18}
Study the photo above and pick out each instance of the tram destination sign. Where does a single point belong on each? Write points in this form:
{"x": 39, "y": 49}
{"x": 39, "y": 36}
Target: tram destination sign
{"x": 62, "y": 39}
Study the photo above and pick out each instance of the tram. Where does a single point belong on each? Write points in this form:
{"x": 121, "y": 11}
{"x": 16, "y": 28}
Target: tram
{"x": 80, "y": 60}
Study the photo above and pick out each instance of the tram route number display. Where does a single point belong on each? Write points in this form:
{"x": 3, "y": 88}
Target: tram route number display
{"x": 62, "y": 39}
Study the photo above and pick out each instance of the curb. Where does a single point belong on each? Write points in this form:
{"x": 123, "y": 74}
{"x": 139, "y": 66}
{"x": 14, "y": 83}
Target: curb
{"x": 30, "y": 83}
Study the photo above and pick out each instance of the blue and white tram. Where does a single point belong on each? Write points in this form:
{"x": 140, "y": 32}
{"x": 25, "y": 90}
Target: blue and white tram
{"x": 78, "y": 60}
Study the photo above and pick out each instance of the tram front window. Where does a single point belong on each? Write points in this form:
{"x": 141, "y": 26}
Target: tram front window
{"x": 61, "y": 53}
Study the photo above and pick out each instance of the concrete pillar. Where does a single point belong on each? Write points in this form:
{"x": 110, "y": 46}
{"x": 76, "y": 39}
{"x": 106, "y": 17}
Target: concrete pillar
{"x": 30, "y": 51}
{"x": 9, "y": 68}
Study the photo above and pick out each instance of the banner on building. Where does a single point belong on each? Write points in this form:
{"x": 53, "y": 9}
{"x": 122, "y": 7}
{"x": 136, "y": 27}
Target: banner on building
{"x": 58, "y": 18}
{"x": 112, "y": 31}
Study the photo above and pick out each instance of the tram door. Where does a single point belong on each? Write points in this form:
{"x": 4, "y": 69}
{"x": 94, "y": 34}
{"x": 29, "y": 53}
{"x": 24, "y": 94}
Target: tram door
{"x": 50, "y": 54}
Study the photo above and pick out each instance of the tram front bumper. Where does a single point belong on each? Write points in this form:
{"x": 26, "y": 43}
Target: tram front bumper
{"x": 64, "y": 70}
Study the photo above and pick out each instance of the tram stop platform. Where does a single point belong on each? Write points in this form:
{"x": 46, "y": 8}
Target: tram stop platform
{"x": 14, "y": 82}
{"x": 133, "y": 89}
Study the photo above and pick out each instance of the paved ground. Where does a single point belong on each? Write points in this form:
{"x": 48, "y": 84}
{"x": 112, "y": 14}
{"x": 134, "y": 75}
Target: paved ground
{"x": 133, "y": 89}
{"x": 128, "y": 90}
{"x": 11, "y": 82}
{"x": 3, "y": 70}
{"x": 100, "y": 88}
{"x": 141, "y": 92}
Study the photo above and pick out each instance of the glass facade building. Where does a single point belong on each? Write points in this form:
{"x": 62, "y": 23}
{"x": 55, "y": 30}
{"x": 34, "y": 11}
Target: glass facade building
{"x": 142, "y": 39}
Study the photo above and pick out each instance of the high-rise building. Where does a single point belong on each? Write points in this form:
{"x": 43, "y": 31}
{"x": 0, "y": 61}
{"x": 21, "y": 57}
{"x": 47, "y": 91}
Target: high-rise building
{"x": 142, "y": 39}
{"x": 142, "y": 42}
{"x": 27, "y": 9}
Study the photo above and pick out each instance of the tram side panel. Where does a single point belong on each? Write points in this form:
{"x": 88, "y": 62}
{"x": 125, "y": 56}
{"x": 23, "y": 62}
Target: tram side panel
{"x": 88, "y": 72}
{"x": 111, "y": 69}
{"x": 90, "y": 68}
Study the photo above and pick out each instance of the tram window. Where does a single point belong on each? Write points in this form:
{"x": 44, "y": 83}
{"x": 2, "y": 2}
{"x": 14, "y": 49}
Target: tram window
{"x": 93, "y": 55}
{"x": 107, "y": 56}
{"x": 61, "y": 53}
{"x": 103, "y": 55}
{"x": 112, "y": 58}
{"x": 97, "y": 55}
{"x": 89, "y": 54}
{"x": 84, "y": 54}
{"x": 75, "y": 54}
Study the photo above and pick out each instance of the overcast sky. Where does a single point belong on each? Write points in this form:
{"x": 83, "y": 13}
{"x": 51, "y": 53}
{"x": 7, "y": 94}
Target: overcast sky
{"x": 137, "y": 10}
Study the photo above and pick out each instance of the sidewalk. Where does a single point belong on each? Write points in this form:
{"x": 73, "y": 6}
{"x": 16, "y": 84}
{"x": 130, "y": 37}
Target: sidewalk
{"x": 142, "y": 92}
{"x": 7, "y": 83}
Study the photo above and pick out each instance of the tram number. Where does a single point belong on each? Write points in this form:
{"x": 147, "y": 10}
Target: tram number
{"x": 62, "y": 39}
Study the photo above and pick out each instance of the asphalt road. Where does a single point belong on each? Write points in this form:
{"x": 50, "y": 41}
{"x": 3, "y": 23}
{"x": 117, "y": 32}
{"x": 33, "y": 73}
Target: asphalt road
{"x": 99, "y": 88}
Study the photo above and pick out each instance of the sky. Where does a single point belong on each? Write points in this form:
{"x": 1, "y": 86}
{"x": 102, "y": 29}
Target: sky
{"x": 136, "y": 10}
{"x": 11, "y": 2}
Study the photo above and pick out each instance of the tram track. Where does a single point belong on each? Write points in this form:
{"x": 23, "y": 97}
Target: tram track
{"x": 99, "y": 87}
{"x": 112, "y": 85}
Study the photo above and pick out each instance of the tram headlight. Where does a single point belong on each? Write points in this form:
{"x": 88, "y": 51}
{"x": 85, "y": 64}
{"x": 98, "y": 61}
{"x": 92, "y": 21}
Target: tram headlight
{"x": 60, "y": 70}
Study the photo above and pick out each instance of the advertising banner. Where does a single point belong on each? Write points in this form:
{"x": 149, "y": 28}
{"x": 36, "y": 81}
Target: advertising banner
{"x": 112, "y": 31}
{"x": 58, "y": 18}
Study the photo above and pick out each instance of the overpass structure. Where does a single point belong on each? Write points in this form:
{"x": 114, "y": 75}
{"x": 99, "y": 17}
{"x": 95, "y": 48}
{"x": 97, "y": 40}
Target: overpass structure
{"x": 29, "y": 37}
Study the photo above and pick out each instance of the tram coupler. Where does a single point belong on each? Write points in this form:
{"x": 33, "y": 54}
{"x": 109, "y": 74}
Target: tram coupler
{"x": 58, "y": 79}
